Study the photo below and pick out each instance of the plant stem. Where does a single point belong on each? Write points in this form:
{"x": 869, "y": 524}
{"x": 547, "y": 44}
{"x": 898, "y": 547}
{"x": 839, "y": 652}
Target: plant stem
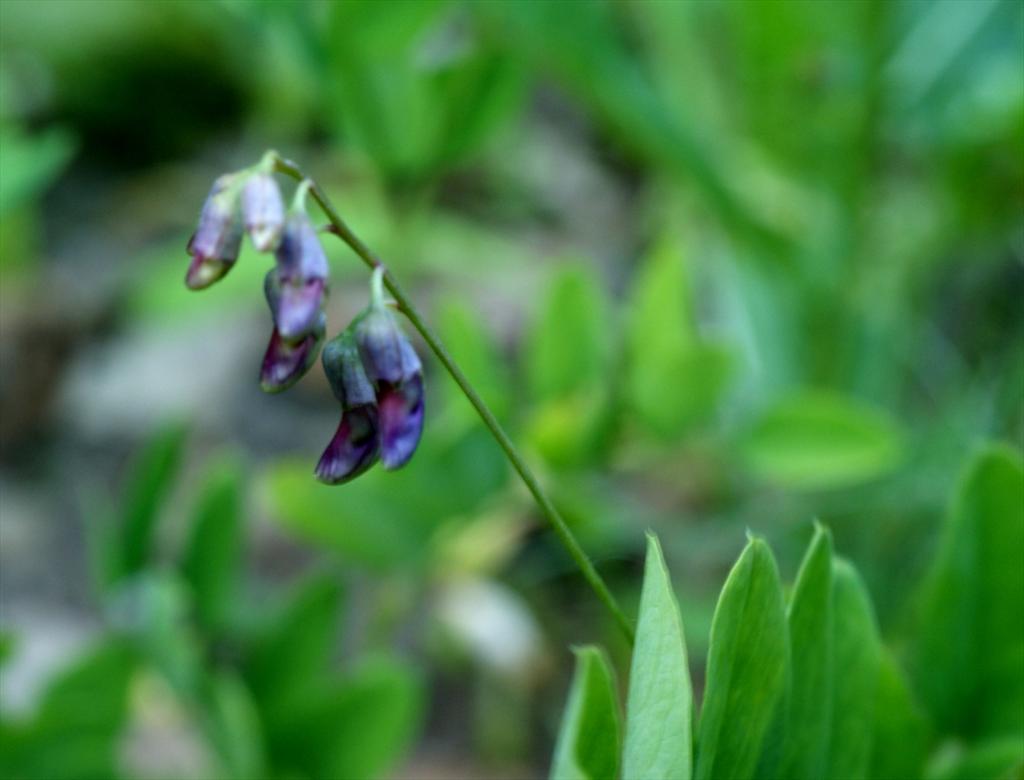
{"x": 339, "y": 228}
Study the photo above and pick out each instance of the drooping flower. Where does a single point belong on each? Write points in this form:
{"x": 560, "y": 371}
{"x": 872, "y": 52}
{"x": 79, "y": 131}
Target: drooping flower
{"x": 215, "y": 244}
{"x": 287, "y": 360}
{"x": 301, "y": 271}
{"x": 356, "y": 443}
{"x": 263, "y": 211}
{"x": 395, "y": 369}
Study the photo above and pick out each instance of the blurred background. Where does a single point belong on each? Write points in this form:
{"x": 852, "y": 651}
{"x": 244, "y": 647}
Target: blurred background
{"x": 718, "y": 266}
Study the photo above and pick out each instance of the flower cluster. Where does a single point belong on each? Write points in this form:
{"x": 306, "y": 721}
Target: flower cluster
{"x": 372, "y": 368}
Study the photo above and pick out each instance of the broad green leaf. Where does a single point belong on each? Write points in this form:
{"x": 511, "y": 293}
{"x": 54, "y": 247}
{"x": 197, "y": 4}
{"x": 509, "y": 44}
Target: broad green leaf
{"x": 814, "y": 441}
{"x": 590, "y": 735}
{"x": 809, "y": 616}
{"x": 659, "y": 708}
{"x": 467, "y": 338}
{"x": 78, "y": 725}
{"x": 354, "y": 728}
{"x": 969, "y": 656}
{"x": 294, "y": 651}
{"x": 568, "y": 346}
{"x": 674, "y": 380}
{"x": 212, "y": 556}
{"x": 235, "y": 728}
{"x": 856, "y": 653}
{"x": 900, "y": 737}
{"x": 748, "y": 663}
{"x": 148, "y": 486}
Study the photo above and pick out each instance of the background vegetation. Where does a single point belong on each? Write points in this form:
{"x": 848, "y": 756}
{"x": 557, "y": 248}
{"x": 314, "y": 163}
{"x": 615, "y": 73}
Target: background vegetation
{"x": 719, "y": 266}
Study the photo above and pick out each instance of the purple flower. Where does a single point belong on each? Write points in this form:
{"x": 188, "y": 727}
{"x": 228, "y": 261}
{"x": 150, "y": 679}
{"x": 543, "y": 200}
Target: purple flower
{"x": 302, "y": 274}
{"x": 356, "y": 444}
{"x": 393, "y": 366}
{"x": 263, "y": 211}
{"x": 214, "y": 246}
{"x": 285, "y": 363}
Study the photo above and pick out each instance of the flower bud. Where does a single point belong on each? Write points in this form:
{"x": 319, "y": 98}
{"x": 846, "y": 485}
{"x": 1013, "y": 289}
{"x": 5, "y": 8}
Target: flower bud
{"x": 263, "y": 211}
{"x": 302, "y": 272}
{"x": 285, "y": 363}
{"x": 356, "y": 444}
{"x": 214, "y": 246}
{"x": 393, "y": 366}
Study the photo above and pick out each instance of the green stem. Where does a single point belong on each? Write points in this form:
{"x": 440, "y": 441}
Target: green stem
{"x": 339, "y": 228}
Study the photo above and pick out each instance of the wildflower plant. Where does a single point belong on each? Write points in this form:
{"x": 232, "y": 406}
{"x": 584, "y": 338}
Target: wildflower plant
{"x": 372, "y": 368}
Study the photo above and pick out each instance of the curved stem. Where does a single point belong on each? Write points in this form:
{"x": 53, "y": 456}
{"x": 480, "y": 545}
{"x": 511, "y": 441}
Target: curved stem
{"x": 565, "y": 535}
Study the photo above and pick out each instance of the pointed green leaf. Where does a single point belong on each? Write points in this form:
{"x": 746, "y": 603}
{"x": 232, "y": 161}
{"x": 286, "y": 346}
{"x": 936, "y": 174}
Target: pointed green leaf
{"x": 856, "y": 652}
{"x": 213, "y": 551}
{"x": 900, "y": 737}
{"x": 748, "y": 662}
{"x": 151, "y": 480}
{"x": 294, "y": 652}
{"x": 234, "y": 727}
{"x": 590, "y": 735}
{"x": 810, "y": 639}
{"x": 569, "y": 344}
{"x": 660, "y": 704}
{"x": 356, "y": 728}
{"x": 969, "y": 658}
{"x": 674, "y": 380}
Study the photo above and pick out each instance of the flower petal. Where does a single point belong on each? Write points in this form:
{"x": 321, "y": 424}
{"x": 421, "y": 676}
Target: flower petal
{"x": 263, "y": 211}
{"x": 354, "y": 448}
{"x": 285, "y": 363}
{"x": 400, "y": 410}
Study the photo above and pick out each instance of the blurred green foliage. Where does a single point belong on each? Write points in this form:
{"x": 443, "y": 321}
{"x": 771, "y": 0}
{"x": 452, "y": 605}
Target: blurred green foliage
{"x": 802, "y": 301}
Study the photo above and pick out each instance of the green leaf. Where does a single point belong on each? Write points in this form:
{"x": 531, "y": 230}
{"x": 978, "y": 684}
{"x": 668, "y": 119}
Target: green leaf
{"x": 357, "y": 728}
{"x": 856, "y": 651}
{"x": 470, "y": 343}
{"x": 293, "y": 653}
{"x": 212, "y": 556}
{"x": 590, "y": 735}
{"x": 150, "y": 483}
{"x": 900, "y": 738}
{"x": 78, "y": 725}
{"x": 674, "y": 380}
{"x": 969, "y": 656}
{"x": 809, "y": 616}
{"x": 659, "y": 709}
{"x": 235, "y": 727}
{"x": 569, "y": 344}
{"x": 30, "y": 163}
{"x": 814, "y": 441}
{"x": 748, "y": 662}
{"x": 387, "y": 521}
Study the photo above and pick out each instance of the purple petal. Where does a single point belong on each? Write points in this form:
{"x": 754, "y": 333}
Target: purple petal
{"x": 400, "y": 409}
{"x": 298, "y": 308}
{"x": 387, "y": 353}
{"x": 354, "y": 448}
{"x": 284, "y": 364}
{"x": 299, "y": 254}
{"x": 263, "y": 211}
{"x": 215, "y": 244}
